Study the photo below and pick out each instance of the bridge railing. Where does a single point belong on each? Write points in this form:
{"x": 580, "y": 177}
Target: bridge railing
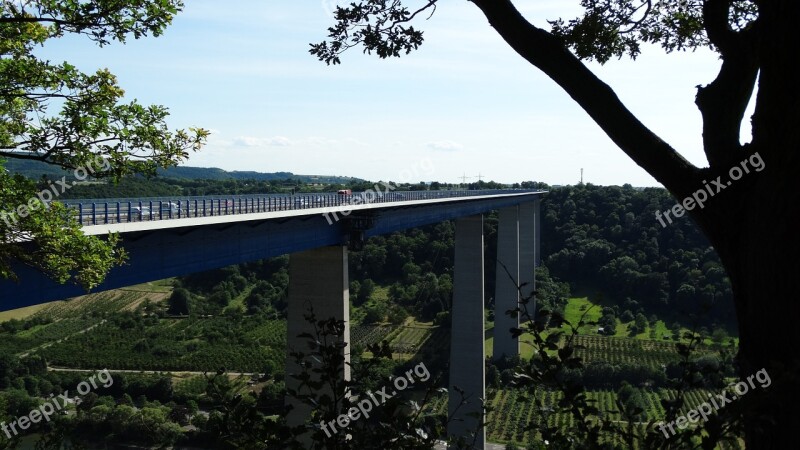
{"x": 110, "y": 211}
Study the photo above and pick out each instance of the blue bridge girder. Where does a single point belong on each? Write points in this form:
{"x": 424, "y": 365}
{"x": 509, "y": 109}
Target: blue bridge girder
{"x": 170, "y": 237}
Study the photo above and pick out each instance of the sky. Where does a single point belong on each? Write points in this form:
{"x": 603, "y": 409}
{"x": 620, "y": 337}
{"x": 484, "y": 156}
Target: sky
{"x": 464, "y": 104}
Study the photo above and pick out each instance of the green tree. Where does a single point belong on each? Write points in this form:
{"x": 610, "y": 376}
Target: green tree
{"x": 53, "y": 112}
{"x": 179, "y": 302}
{"x": 609, "y": 324}
{"x": 641, "y": 322}
{"x": 375, "y": 313}
{"x": 754, "y": 215}
{"x": 365, "y": 291}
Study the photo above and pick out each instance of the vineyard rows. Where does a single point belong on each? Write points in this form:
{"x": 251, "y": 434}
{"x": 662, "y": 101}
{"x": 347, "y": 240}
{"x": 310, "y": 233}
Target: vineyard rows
{"x": 180, "y": 344}
{"x": 402, "y": 340}
{"x": 410, "y": 339}
{"x": 190, "y": 344}
{"x": 364, "y": 335}
{"x": 514, "y": 412}
{"x": 42, "y": 334}
{"x": 93, "y": 304}
{"x": 620, "y": 350}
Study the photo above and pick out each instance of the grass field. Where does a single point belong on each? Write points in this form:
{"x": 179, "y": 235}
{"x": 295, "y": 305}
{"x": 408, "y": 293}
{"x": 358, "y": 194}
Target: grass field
{"x": 582, "y": 307}
{"x": 577, "y": 306}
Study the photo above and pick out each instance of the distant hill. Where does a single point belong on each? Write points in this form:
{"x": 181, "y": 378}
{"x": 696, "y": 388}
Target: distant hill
{"x": 36, "y": 169}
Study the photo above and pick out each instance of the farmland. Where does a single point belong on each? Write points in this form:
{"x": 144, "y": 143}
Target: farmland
{"x": 513, "y": 410}
{"x": 195, "y": 344}
{"x": 615, "y": 350}
{"x": 114, "y": 336}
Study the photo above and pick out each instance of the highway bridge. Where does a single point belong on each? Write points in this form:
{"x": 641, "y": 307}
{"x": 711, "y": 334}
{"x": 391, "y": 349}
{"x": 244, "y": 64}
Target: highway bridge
{"x": 167, "y": 237}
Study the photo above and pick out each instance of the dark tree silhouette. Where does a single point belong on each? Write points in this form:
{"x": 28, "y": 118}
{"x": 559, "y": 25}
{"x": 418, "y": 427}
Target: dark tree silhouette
{"x": 179, "y": 302}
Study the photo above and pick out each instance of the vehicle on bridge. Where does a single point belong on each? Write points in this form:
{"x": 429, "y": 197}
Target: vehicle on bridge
{"x": 143, "y": 212}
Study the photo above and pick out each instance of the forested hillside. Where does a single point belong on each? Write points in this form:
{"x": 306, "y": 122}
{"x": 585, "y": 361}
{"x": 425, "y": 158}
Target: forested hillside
{"x": 606, "y": 240}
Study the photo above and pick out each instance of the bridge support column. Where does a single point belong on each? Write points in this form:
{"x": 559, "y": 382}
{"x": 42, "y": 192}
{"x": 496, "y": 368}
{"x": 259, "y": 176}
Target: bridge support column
{"x": 466, "y": 346}
{"x": 507, "y": 276}
{"x": 528, "y": 250}
{"x": 538, "y": 230}
{"x": 318, "y": 279}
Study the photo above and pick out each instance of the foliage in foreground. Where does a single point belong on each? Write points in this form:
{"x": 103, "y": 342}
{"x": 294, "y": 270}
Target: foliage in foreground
{"x": 56, "y": 114}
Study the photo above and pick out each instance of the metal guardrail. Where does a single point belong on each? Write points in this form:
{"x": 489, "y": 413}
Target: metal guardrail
{"x": 109, "y": 211}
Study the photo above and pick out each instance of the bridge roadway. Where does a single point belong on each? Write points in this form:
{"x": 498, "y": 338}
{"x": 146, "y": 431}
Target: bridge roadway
{"x": 130, "y": 210}
{"x": 171, "y": 237}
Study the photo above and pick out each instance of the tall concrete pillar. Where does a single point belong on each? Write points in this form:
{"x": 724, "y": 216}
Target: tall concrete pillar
{"x": 318, "y": 279}
{"x": 467, "y": 335}
{"x": 528, "y": 245}
{"x": 538, "y": 230}
{"x": 506, "y": 295}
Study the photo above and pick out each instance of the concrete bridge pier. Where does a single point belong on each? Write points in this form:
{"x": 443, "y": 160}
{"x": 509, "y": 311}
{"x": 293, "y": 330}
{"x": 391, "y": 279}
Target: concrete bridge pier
{"x": 507, "y": 276}
{"x": 517, "y": 250}
{"x": 467, "y": 334}
{"x": 528, "y": 250}
{"x": 318, "y": 279}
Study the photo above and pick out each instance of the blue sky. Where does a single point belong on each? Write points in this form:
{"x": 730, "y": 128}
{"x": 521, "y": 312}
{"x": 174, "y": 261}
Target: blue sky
{"x": 464, "y": 103}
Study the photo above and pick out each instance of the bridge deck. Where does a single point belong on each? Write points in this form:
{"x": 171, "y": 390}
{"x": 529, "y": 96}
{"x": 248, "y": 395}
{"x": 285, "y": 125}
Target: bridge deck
{"x": 123, "y": 216}
{"x": 252, "y": 228}
{"x": 211, "y": 209}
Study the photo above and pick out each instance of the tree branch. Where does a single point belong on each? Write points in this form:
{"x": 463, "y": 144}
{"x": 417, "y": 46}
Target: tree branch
{"x": 53, "y": 20}
{"x": 633, "y": 26}
{"x": 431, "y": 3}
{"x": 18, "y": 155}
{"x": 723, "y": 102}
{"x": 547, "y": 53}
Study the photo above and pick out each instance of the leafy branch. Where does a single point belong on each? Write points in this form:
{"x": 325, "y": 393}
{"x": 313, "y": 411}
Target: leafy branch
{"x": 377, "y": 24}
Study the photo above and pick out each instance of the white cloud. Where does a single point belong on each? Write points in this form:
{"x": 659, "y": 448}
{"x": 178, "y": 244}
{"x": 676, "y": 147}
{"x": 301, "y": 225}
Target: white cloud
{"x": 446, "y": 146}
{"x": 250, "y": 141}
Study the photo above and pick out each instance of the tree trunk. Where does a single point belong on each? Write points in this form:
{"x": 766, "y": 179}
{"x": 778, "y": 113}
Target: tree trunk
{"x": 756, "y": 237}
